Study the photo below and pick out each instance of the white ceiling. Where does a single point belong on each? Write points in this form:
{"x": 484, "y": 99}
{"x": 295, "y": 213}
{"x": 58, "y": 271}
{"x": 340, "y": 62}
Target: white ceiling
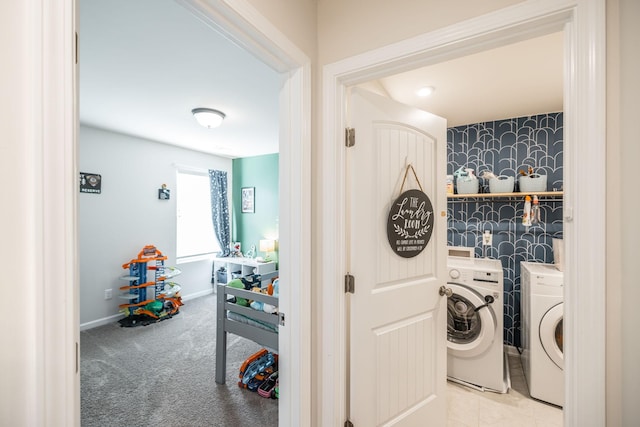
{"x": 145, "y": 64}
{"x": 516, "y": 80}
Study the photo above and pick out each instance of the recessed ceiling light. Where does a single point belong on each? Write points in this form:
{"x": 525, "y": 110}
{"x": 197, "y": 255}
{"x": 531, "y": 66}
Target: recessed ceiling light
{"x": 426, "y": 91}
{"x": 208, "y": 117}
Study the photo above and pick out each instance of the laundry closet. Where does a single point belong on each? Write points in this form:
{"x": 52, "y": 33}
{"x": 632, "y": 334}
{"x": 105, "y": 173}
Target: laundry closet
{"x": 510, "y": 226}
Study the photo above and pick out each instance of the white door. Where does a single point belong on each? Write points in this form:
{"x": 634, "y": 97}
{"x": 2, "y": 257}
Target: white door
{"x": 397, "y": 334}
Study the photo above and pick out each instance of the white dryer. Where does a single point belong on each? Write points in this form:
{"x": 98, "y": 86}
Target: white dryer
{"x": 475, "y": 310}
{"x": 542, "y": 331}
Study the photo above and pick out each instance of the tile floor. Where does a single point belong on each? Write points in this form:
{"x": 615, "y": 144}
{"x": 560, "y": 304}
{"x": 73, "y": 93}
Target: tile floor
{"x": 471, "y": 408}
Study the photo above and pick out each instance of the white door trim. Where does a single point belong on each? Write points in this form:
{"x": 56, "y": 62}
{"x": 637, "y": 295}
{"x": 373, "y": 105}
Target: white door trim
{"x": 42, "y": 383}
{"x": 584, "y": 100}
{"x": 58, "y": 116}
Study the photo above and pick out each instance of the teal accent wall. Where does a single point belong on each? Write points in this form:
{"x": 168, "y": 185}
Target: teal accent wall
{"x": 260, "y": 172}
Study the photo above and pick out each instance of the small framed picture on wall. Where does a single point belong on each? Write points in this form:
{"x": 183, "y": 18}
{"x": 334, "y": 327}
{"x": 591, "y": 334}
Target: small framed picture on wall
{"x": 248, "y": 200}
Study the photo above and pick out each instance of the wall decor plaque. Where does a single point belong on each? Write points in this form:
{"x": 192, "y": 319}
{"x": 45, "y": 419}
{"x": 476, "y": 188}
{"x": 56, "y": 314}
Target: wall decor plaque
{"x": 90, "y": 183}
{"x": 410, "y": 223}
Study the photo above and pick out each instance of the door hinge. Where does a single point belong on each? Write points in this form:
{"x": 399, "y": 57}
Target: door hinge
{"x": 350, "y": 137}
{"x": 281, "y": 318}
{"x": 349, "y": 284}
{"x": 348, "y": 423}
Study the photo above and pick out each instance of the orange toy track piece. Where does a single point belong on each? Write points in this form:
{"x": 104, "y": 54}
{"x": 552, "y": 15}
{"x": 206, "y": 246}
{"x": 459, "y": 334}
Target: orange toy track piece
{"x": 147, "y": 312}
{"x": 176, "y": 300}
{"x": 176, "y": 303}
{"x": 139, "y": 304}
{"x": 148, "y": 253}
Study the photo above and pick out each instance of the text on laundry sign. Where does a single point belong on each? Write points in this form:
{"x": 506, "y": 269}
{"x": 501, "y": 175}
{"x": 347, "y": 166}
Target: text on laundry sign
{"x": 410, "y": 223}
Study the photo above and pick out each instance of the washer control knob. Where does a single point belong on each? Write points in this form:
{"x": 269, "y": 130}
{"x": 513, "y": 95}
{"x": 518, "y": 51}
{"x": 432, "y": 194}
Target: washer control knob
{"x": 454, "y": 274}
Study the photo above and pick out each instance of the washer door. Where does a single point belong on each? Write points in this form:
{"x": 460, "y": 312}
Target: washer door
{"x": 551, "y": 334}
{"x": 469, "y": 332}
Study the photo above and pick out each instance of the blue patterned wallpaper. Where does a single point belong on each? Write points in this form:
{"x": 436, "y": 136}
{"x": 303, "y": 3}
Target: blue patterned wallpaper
{"x": 504, "y": 147}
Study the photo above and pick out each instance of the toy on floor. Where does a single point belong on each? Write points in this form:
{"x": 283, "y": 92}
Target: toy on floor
{"x": 151, "y": 297}
{"x": 258, "y": 366}
{"x": 259, "y": 372}
{"x": 267, "y": 388}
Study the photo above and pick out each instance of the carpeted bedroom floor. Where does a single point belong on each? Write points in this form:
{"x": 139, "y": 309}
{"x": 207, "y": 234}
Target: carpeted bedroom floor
{"x": 163, "y": 374}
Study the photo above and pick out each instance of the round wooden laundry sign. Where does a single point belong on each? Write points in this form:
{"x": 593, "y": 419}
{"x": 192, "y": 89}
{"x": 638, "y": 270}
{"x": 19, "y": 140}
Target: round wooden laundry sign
{"x": 410, "y": 223}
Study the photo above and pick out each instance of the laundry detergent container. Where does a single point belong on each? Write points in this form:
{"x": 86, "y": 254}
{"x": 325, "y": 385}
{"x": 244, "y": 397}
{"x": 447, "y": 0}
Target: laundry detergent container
{"x": 501, "y": 184}
{"x": 533, "y": 183}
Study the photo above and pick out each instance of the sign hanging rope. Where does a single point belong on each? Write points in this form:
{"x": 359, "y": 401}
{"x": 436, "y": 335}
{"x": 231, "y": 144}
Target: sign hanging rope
{"x": 415, "y": 175}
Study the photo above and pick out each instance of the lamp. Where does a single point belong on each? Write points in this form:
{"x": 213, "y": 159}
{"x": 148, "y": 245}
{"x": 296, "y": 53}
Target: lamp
{"x": 267, "y": 246}
{"x": 208, "y": 117}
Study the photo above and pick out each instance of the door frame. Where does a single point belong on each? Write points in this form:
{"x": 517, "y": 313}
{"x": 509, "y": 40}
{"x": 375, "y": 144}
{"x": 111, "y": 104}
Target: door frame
{"x": 583, "y": 22}
{"x": 244, "y": 25}
{"x": 58, "y": 396}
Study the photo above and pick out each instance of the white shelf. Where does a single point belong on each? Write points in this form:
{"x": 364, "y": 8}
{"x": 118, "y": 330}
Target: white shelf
{"x": 505, "y": 195}
{"x": 243, "y": 267}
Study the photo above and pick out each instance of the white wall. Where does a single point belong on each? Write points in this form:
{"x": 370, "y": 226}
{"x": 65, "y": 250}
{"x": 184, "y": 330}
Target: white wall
{"x": 116, "y": 224}
{"x": 295, "y": 19}
{"x": 349, "y": 27}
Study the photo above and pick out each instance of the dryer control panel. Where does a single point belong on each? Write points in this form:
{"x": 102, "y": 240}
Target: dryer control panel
{"x": 486, "y": 276}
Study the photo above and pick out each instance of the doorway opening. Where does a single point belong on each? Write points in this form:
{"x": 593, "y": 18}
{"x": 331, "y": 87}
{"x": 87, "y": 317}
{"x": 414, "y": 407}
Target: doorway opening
{"x": 505, "y": 26}
{"x": 276, "y": 52}
{"x": 501, "y": 117}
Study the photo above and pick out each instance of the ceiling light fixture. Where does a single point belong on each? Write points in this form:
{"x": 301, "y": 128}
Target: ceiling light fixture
{"x": 426, "y": 91}
{"x": 208, "y": 117}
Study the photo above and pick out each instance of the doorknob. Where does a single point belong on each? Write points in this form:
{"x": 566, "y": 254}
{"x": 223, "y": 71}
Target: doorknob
{"x": 445, "y": 291}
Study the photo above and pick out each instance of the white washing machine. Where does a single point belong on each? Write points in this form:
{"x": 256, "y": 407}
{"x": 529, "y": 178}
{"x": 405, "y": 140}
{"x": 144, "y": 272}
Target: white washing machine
{"x": 475, "y": 350}
{"x": 542, "y": 331}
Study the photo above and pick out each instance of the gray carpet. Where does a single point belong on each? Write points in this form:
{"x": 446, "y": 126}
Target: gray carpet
{"x": 163, "y": 375}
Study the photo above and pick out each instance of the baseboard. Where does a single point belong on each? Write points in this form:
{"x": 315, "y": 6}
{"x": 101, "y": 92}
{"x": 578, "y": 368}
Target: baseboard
{"x": 511, "y": 350}
{"x": 197, "y": 294}
{"x": 100, "y": 322}
{"x": 116, "y": 317}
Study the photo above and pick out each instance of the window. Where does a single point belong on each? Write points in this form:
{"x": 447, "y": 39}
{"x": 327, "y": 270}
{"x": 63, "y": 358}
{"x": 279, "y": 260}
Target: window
{"x": 195, "y": 234}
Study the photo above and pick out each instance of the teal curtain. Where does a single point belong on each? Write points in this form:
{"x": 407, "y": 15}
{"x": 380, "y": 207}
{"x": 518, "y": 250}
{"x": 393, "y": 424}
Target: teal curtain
{"x": 220, "y": 210}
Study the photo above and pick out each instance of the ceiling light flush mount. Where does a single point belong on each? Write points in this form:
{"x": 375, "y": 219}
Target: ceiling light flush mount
{"x": 208, "y": 117}
{"x": 426, "y": 91}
